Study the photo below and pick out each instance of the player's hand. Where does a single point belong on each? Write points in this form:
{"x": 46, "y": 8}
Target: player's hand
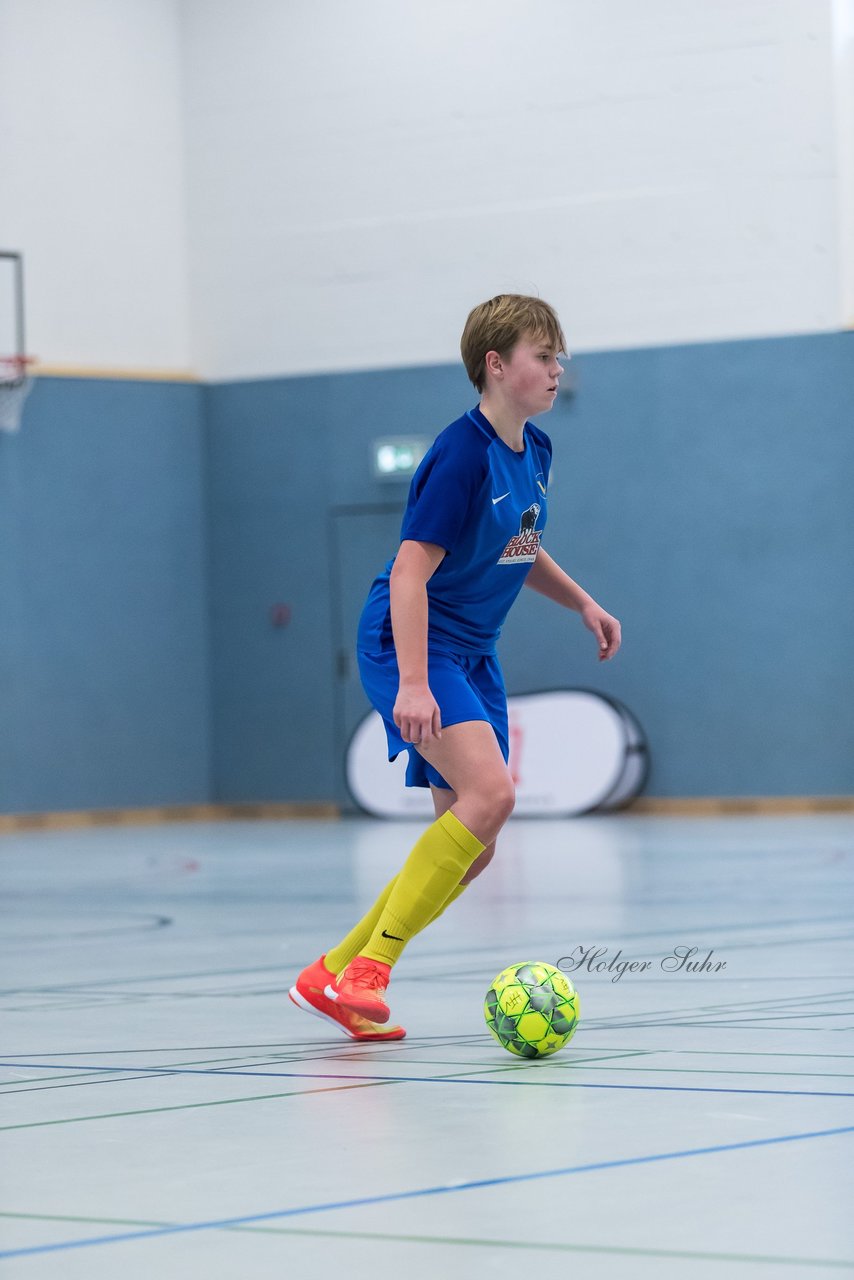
{"x": 605, "y": 628}
{"x": 416, "y": 714}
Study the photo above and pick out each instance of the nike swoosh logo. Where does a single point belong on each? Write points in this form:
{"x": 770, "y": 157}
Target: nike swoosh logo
{"x": 501, "y": 499}
{"x": 392, "y": 935}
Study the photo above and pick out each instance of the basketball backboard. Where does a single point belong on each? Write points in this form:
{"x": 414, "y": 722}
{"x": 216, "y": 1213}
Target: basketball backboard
{"x": 12, "y": 336}
{"x": 14, "y": 381}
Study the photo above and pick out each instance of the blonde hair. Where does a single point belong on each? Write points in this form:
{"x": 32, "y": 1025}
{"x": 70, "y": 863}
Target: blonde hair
{"x": 498, "y": 325}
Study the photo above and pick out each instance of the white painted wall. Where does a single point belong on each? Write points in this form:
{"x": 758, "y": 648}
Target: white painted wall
{"x": 283, "y": 186}
{"x": 843, "y": 12}
{"x": 92, "y": 178}
{"x": 361, "y": 174}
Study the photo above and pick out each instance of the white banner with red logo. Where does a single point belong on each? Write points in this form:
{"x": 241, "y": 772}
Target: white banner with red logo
{"x": 571, "y": 751}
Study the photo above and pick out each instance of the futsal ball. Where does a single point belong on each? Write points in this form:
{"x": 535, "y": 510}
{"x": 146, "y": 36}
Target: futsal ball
{"x": 532, "y": 1009}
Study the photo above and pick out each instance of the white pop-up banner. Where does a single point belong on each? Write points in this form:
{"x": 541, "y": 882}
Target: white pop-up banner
{"x": 571, "y": 751}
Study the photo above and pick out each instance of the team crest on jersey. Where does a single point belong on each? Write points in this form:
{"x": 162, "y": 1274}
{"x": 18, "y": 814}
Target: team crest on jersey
{"x": 523, "y": 547}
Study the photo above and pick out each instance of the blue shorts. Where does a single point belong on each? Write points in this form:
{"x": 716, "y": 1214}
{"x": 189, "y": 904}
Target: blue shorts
{"x": 466, "y": 687}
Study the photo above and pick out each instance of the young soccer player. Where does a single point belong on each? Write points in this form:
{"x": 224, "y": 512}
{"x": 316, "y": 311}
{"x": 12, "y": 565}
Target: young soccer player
{"x": 470, "y": 541}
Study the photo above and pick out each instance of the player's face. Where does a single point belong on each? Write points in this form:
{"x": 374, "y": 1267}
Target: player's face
{"x": 531, "y": 376}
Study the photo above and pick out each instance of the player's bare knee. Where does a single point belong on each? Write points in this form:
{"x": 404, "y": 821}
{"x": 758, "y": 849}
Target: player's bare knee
{"x": 486, "y": 816}
{"x": 496, "y": 799}
{"x": 503, "y": 798}
{"x": 486, "y": 804}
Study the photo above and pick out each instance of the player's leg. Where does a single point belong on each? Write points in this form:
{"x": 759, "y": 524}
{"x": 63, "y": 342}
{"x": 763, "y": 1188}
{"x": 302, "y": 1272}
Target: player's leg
{"x": 339, "y": 956}
{"x": 480, "y": 796}
{"x": 443, "y": 799}
{"x": 469, "y": 758}
{"x": 308, "y": 992}
{"x": 485, "y": 682}
{"x": 471, "y": 697}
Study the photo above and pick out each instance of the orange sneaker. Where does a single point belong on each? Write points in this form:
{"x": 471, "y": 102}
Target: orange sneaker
{"x": 362, "y": 987}
{"x": 308, "y": 993}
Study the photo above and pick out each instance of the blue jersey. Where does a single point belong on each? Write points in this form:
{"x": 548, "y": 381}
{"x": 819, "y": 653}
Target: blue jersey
{"x": 486, "y": 505}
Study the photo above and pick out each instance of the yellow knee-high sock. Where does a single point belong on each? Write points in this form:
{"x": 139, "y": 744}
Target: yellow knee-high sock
{"x": 340, "y": 956}
{"x": 423, "y": 886}
{"x": 452, "y": 897}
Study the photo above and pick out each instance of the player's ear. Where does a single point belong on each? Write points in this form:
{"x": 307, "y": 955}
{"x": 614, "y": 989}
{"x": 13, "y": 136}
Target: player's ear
{"x": 493, "y": 362}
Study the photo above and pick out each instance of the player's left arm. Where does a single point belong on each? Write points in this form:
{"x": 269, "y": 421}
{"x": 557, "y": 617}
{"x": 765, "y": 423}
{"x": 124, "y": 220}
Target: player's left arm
{"x": 547, "y": 577}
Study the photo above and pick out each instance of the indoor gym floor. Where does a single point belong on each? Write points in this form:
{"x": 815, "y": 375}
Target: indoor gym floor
{"x": 169, "y": 1113}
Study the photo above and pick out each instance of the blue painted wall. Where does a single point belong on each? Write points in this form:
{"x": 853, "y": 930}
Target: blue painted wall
{"x": 283, "y": 455}
{"x": 702, "y": 493}
{"x": 708, "y": 502}
{"x": 104, "y": 674}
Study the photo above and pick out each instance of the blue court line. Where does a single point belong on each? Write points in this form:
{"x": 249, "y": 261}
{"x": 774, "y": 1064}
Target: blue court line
{"x": 443, "y": 1189}
{"x": 443, "y": 1079}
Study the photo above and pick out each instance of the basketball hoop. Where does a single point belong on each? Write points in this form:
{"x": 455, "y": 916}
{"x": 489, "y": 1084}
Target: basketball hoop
{"x": 15, "y": 384}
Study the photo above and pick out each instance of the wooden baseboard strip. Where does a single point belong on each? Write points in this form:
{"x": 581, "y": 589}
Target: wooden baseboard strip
{"x": 714, "y": 806}
{"x": 10, "y": 823}
{"x": 106, "y": 374}
{"x": 661, "y": 806}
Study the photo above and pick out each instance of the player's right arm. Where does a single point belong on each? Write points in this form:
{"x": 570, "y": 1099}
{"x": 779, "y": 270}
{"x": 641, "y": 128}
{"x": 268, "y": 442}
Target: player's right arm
{"x": 416, "y": 712}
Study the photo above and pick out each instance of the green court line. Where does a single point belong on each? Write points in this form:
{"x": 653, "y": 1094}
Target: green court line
{"x": 54, "y": 988}
{"x": 577, "y": 1065}
{"x": 72, "y": 1077}
{"x": 709, "y": 1019}
{"x": 320, "y": 1048}
{"x": 273, "y": 1059}
{"x": 471, "y": 1242}
{"x": 341, "y": 1047}
{"x": 10, "y": 1086}
{"x": 74, "y": 1217}
{"x": 746, "y": 1008}
{"x": 69, "y": 1079}
{"x": 720, "y": 1071}
{"x": 722, "y": 1053}
{"x": 528, "y": 1064}
{"x": 260, "y": 1097}
{"x": 359, "y": 1084}
{"x": 162, "y": 1072}
{"x": 557, "y": 1247}
{"x": 192, "y": 1106}
{"x": 714, "y": 1023}
{"x": 278, "y": 1047}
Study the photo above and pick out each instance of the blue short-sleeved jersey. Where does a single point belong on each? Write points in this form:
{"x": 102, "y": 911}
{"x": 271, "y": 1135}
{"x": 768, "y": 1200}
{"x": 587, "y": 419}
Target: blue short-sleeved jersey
{"x": 486, "y": 505}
